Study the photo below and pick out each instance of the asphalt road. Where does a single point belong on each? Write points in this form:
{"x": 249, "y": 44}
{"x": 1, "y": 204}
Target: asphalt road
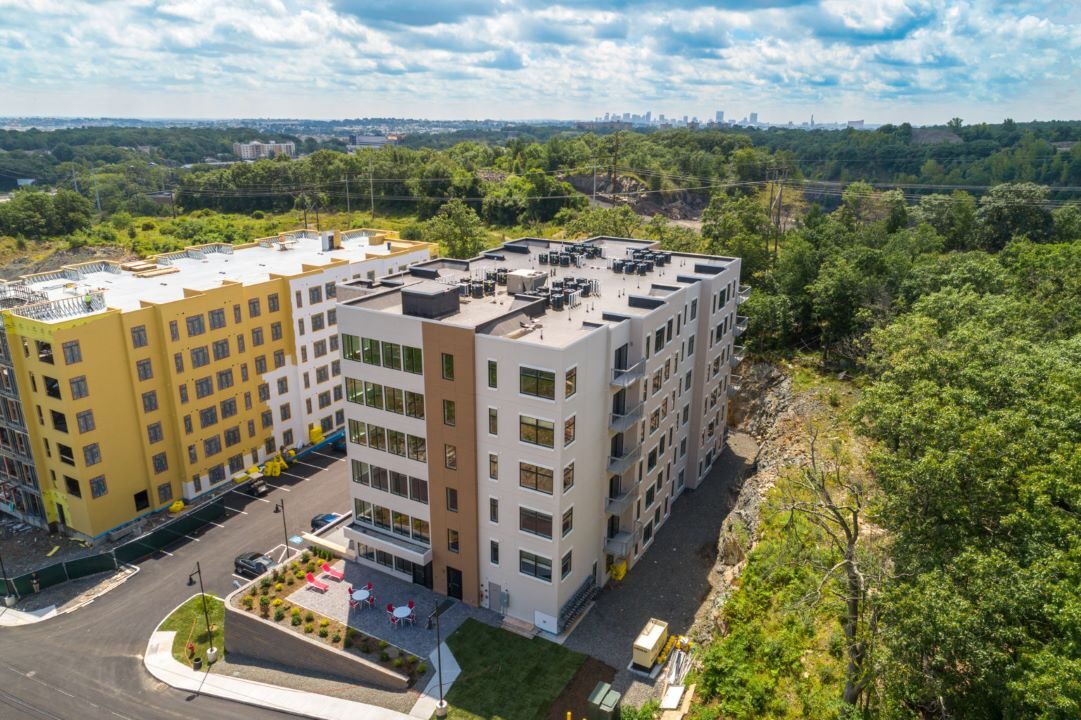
{"x": 87, "y": 664}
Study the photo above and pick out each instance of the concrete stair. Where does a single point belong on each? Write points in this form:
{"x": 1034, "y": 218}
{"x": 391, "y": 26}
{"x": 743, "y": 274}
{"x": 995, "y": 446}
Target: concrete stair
{"x": 519, "y": 627}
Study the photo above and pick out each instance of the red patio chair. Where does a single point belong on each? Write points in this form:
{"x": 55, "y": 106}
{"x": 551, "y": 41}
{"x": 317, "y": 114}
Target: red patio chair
{"x": 353, "y": 604}
{"x": 371, "y": 600}
{"x": 336, "y": 574}
{"x": 410, "y": 604}
{"x": 369, "y": 587}
{"x": 315, "y": 584}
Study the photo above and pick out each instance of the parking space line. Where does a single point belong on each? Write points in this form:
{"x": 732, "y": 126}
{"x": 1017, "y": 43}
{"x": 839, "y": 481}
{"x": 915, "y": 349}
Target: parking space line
{"x": 189, "y": 537}
{"x": 163, "y": 550}
{"x": 277, "y": 487}
{"x": 293, "y": 475}
{"x": 240, "y": 577}
{"x": 242, "y": 512}
{"x": 301, "y": 462}
{"x": 335, "y": 459}
{"x": 216, "y": 524}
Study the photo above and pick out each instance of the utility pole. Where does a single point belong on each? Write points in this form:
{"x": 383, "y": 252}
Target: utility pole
{"x": 348, "y": 211}
{"x": 612, "y": 174}
{"x": 371, "y": 186}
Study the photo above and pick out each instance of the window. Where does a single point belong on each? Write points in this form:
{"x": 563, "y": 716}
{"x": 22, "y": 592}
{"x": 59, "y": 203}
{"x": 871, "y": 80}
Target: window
{"x": 570, "y": 382}
{"x": 394, "y": 401}
{"x": 204, "y": 387}
{"x": 208, "y": 417}
{"x": 414, "y": 405}
{"x": 188, "y": 429}
{"x": 536, "y": 432}
{"x": 254, "y": 310}
{"x": 193, "y": 456}
{"x": 217, "y": 319}
{"x": 72, "y": 353}
{"x": 568, "y": 431}
{"x": 535, "y": 566}
{"x": 493, "y": 421}
{"x": 658, "y": 340}
{"x": 449, "y": 412}
{"x": 221, "y": 349}
{"x": 493, "y": 547}
{"x": 161, "y": 463}
{"x": 154, "y": 433}
{"x": 196, "y": 326}
{"x": 412, "y": 361}
{"x": 225, "y": 379}
{"x": 138, "y": 336}
{"x": 399, "y": 484}
{"x": 285, "y": 412}
{"x": 216, "y": 474}
{"x": 318, "y": 322}
{"x": 369, "y": 351}
{"x": 392, "y": 356}
{"x": 330, "y": 290}
{"x": 276, "y": 331}
{"x": 361, "y": 473}
{"x": 694, "y": 309}
{"x": 493, "y": 509}
{"x": 79, "y": 388}
{"x": 538, "y": 383}
{"x": 174, "y": 330}
{"x": 91, "y": 454}
{"x": 315, "y": 294}
{"x": 237, "y": 317}
{"x": 358, "y": 433}
{"x": 72, "y": 486}
{"x": 417, "y": 448}
{"x": 452, "y": 540}
{"x": 256, "y": 336}
{"x": 98, "y": 486}
{"x": 199, "y": 357}
{"x": 568, "y": 521}
{"x": 354, "y": 391}
{"x": 150, "y": 401}
{"x": 396, "y": 442}
{"x": 165, "y": 493}
{"x": 400, "y": 523}
{"x": 452, "y": 500}
{"x": 232, "y": 437}
{"x": 450, "y": 457}
{"x": 85, "y": 420}
{"x": 535, "y": 522}
{"x": 178, "y": 362}
{"x": 493, "y": 466}
{"x": 565, "y": 566}
{"x": 283, "y": 385}
{"x": 418, "y": 490}
{"x": 279, "y": 358}
{"x": 212, "y": 446}
{"x": 493, "y": 374}
{"x": 272, "y": 304}
{"x": 228, "y": 408}
{"x": 447, "y": 361}
{"x": 568, "y": 477}
{"x": 535, "y": 477}
{"x": 377, "y": 437}
{"x": 319, "y": 348}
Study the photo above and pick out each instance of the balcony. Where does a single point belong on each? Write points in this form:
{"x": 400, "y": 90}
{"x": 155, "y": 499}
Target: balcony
{"x": 622, "y": 422}
{"x": 618, "y": 504}
{"x": 620, "y": 545}
{"x": 625, "y": 377}
{"x": 741, "y": 325}
{"x": 387, "y": 541}
{"x": 619, "y": 464}
{"x": 735, "y": 382}
{"x": 738, "y": 353}
{"x": 744, "y": 293}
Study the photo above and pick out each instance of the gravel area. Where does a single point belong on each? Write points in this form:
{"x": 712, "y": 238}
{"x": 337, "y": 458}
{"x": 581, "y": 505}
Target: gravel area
{"x": 672, "y": 579}
{"x": 259, "y": 671}
{"x": 75, "y": 592}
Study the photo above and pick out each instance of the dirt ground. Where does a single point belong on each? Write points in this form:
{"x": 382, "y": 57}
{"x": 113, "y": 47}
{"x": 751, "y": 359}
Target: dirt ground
{"x": 576, "y": 693}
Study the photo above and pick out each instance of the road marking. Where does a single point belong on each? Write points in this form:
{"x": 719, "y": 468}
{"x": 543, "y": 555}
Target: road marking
{"x": 240, "y": 577}
{"x": 166, "y": 552}
{"x": 278, "y": 487}
{"x": 298, "y": 477}
{"x": 216, "y": 524}
{"x": 332, "y": 457}
{"x": 189, "y": 537}
{"x": 235, "y": 511}
{"x": 301, "y": 462}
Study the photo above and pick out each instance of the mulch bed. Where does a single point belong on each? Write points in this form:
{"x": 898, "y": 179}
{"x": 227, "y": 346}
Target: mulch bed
{"x": 576, "y": 693}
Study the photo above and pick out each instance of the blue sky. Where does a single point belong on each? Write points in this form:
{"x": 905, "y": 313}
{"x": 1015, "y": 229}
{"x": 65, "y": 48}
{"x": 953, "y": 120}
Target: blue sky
{"x": 882, "y": 60}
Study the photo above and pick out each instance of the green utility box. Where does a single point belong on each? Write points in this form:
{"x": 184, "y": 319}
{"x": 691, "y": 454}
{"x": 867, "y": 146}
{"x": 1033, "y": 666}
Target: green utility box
{"x": 603, "y": 703}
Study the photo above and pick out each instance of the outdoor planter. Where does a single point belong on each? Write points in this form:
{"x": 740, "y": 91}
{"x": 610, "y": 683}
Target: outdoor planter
{"x": 211, "y": 655}
{"x": 197, "y": 664}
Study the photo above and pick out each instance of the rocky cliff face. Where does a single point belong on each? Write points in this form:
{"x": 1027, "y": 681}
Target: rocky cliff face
{"x": 674, "y": 204}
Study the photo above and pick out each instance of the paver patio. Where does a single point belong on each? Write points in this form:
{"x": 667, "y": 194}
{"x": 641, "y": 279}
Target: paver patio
{"x": 417, "y": 639}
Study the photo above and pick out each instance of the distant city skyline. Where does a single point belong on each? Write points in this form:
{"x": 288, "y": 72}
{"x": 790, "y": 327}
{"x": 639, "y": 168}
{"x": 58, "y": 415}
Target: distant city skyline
{"x": 920, "y": 61}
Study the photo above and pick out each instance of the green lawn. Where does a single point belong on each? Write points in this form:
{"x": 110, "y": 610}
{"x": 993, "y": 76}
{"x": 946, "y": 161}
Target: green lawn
{"x": 188, "y": 621}
{"x": 505, "y": 676}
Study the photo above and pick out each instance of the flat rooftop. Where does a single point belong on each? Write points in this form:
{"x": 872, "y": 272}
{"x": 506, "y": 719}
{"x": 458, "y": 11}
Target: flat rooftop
{"x": 591, "y": 292}
{"x": 93, "y": 287}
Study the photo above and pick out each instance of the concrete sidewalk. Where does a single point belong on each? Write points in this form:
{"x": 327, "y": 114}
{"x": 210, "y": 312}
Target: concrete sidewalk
{"x": 10, "y": 617}
{"x": 429, "y": 699}
{"x": 160, "y": 663}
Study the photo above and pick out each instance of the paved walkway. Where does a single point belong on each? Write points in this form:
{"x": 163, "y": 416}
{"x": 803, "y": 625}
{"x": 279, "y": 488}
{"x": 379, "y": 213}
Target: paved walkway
{"x": 671, "y": 580}
{"x": 160, "y": 663}
{"x": 416, "y": 639}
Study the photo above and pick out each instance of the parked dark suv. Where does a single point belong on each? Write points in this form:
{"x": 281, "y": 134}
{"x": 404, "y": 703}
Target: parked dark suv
{"x": 252, "y": 564}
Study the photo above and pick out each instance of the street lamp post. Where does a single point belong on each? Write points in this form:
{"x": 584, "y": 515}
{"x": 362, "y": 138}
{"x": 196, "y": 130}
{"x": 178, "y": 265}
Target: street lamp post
{"x": 212, "y": 651}
{"x": 279, "y": 507}
{"x": 441, "y": 708}
{"x": 7, "y": 587}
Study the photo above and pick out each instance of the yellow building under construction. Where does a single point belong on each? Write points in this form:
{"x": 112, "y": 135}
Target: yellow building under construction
{"x": 124, "y": 387}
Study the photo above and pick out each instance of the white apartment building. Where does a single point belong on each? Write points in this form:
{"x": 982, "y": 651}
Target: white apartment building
{"x": 256, "y": 150}
{"x": 520, "y": 423}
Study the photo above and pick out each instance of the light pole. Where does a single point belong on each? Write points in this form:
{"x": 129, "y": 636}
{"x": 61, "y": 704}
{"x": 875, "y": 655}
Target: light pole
{"x": 441, "y": 708}
{"x": 8, "y": 598}
{"x": 279, "y": 507}
{"x": 212, "y": 651}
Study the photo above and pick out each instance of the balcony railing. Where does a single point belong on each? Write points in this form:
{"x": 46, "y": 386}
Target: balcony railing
{"x": 735, "y": 382}
{"x": 738, "y": 353}
{"x": 741, "y": 325}
{"x": 619, "y": 464}
{"x": 619, "y": 545}
{"x": 618, "y": 504}
{"x": 625, "y": 377}
{"x": 622, "y": 422}
{"x": 744, "y": 293}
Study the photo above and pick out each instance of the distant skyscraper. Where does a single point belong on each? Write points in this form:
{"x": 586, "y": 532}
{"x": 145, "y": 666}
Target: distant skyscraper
{"x": 649, "y": 115}
{"x": 720, "y": 116}
{"x": 684, "y": 119}
{"x": 754, "y": 118}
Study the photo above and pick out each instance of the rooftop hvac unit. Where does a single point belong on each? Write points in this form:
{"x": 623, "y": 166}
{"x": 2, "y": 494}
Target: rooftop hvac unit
{"x": 525, "y": 281}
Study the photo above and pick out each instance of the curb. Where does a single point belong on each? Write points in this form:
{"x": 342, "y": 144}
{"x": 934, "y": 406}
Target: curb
{"x": 24, "y": 617}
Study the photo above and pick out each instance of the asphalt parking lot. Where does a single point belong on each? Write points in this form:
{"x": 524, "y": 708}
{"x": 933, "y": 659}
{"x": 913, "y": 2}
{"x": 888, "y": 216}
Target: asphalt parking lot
{"x": 88, "y": 663}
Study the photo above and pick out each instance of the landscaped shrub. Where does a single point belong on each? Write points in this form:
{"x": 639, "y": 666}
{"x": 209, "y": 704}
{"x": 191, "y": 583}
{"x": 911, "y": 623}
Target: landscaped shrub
{"x": 323, "y": 632}
{"x": 297, "y": 620}
{"x": 324, "y": 622}
{"x": 264, "y": 591}
{"x": 421, "y": 669}
{"x": 398, "y": 662}
{"x": 309, "y": 628}
{"x": 276, "y": 602}
{"x": 253, "y": 591}
{"x": 278, "y": 615}
{"x": 264, "y": 605}
{"x": 309, "y": 616}
{"x": 248, "y": 602}
{"x": 383, "y": 644}
{"x": 295, "y": 612}
{"x": 275, "y": 574}
{"x": 336, "y": 638}
{"x": 365, "y": 647}
{"x": 265, "y": 583}
{"x": 305, "y": 557}
{"x": 384, "y": 656}
{"x": 278, "y": 587}
{"x": 289, "y": 580}
{"x": 311, "y": 567}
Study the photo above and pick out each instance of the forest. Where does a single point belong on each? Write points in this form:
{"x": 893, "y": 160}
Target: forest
{"x": 940, "y": 279}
